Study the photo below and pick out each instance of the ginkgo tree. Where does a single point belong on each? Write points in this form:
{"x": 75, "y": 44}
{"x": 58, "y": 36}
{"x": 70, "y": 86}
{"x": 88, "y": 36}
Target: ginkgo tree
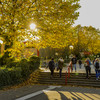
{"x": 86, "y": 38}
{"x": 56, "y": 21}
{"x": 53, "y": 19}
{"x": 92, "y": 39}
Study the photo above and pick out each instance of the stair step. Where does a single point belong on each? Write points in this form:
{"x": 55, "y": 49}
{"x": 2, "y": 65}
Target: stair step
{"x": 52, "y": 83}
{"x": 75, "y": 79}
{"x": 63, "y": 74}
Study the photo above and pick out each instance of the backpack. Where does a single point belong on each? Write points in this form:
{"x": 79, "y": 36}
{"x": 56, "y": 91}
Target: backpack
{"x": 60, "y": 64}
{"x": 80, "y": 62}
{"x": 97, "y": 65}
{"x": 86, "y": 63}
{"x": 51, "y": 65}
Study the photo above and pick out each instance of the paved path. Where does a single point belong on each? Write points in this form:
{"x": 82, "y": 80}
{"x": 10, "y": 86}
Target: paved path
{"x": 69, "y": 93}
{"x": 44, "y": 92}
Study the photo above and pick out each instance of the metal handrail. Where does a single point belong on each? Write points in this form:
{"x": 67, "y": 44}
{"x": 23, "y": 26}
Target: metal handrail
{"x": 68, "y": 73}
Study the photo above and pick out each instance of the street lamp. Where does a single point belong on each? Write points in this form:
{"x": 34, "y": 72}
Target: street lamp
{"x": 2, "y": 47}
{"x": 33, "y": 27}
{"x": 56, "y": 55}
{"x": 1, "y": 42}
{"x": 71, "y": 56}
{"x": 71, "y": 48}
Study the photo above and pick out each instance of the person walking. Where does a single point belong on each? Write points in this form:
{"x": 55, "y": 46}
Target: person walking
{"x": 51, "y": 66}
{"x": 60, "y": 66}
{"x": 87, "y": 67}
{"x": 97, "y": 66}
{"x": 80, "y": 63}
{"x": 74, "y": 61}
{"x": 94, "y": 61}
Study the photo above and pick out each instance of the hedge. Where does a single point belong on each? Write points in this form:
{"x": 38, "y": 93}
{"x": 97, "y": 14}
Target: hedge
{"x": 10, "y": 77}
{"x": 16, "y": 72}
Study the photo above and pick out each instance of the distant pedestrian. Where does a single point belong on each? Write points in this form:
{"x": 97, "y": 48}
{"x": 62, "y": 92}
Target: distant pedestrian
{"x": 74, "y": 61}
{"x": 80, "y": 63}
{"x": 94, "y": 61}
{"x": 97, "y": 68}
{"x": 51, "y": 66}
{"x": 60, "y": 66}
{"x": 87, "y": 67}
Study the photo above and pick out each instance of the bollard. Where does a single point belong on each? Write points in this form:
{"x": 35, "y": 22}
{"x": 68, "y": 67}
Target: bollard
{"x": 71, "y": 67}
{"x": 66, "y": 78}
{"x": 68, "y": 72}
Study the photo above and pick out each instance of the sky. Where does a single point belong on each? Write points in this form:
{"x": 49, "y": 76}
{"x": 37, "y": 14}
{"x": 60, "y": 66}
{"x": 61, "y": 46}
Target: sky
{"x": 89, "y": 13}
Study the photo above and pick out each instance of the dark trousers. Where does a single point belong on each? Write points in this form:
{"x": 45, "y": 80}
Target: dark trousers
{"x": 80, "y": 65}
{"x": 52, "y": 71}
{"x": 97, "y": 73}
{"x": 88, "y": 71}
{"x": 60, "y": 72}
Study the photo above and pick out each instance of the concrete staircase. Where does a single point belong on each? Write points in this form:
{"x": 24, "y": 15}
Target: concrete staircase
{"x": 76, "y": 79}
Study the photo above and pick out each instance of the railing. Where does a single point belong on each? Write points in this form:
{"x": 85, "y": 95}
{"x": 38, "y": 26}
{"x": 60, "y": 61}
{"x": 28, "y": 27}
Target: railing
{"x": 68, "y": 76}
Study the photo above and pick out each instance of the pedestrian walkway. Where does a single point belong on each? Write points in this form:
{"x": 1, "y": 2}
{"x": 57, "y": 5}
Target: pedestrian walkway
{"x": 82, "y": 70}
{"x": 46, "y": 92}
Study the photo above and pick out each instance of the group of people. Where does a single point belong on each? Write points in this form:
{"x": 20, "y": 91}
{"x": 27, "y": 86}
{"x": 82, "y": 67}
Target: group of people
{"x": 60, "y": 64}
{"x": 96, "y": 64}
{"x": 87, "y": 65}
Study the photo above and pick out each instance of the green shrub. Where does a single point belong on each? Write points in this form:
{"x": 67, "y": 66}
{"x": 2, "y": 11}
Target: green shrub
{"x": 15, "y": 76}
{"x": 34, "y": 59}
{"x": 34, "y": 62}
{"x": 10, "y": 77}
{"x": 4, "y": 78}
{"x": 16, "y": 72}
{"x": 5, "y": 59}
{"x": 11, "y": 64}
{"x": 23, "y": 64}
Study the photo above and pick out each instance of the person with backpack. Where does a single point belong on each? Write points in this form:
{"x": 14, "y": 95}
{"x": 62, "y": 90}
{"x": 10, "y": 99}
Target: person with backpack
{"x": 97, "y": 66}
{"x": 80, "y": 63}
{"x": 74, "y": 61}
{"x": 51, "y": 66}
{"x": 60, "y": 66}
{"x": 87, "y": 67}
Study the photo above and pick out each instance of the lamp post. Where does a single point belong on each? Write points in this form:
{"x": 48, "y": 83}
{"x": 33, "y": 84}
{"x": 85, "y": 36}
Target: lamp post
{"x": 33, "y": 27}
{"x": 71, "y": 48}
{"x": 56, "y": 54}
{"x": 57, "y": 59}
{"x": 2, "y": 47}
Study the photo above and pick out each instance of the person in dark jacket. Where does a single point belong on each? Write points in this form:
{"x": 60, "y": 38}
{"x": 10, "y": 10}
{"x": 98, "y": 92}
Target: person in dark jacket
{"x": 51, "y": 66}
{"x": 60, "y": 66}
{"x": 87, "y": 67}
{"x": 97, "y": 66}
{"x": 80, "y": 63}
{"x": 94, "y": 61}
{"x": 74, "y": 61}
